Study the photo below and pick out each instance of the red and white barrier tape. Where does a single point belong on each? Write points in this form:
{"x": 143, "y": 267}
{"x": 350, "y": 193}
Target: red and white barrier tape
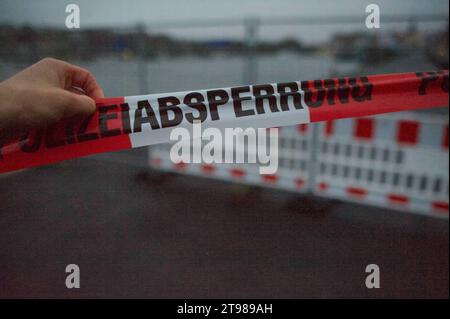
{"x": 128, "y": 122}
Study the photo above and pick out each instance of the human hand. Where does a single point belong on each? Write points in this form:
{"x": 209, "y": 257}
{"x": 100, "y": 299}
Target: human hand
{"x": 44, "y": 93}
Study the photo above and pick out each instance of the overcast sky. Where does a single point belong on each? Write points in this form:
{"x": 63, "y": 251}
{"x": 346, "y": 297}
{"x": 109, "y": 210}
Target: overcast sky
{"x": 130, "y": 12}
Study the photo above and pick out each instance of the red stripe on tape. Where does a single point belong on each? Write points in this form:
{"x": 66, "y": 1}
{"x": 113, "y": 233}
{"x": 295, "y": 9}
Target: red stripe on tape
{"x": 376, "y": 94}
{"x": 55, "y": 144}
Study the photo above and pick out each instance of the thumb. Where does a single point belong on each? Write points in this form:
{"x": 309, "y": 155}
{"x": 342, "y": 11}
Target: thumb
{"x": 77, "y": 104}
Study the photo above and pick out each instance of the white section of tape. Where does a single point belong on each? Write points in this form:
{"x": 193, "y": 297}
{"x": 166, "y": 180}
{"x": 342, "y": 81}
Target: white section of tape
{"x": 226, "y": 113}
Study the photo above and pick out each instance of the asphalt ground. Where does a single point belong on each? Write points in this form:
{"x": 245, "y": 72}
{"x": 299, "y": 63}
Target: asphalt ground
{"x": 137, "y": 233}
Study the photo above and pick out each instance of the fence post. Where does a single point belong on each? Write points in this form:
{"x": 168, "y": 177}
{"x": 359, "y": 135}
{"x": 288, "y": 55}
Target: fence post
{"x": 251, "y": 26}
{"x": 313, "y": 156}
{"x": 142, "y": 70}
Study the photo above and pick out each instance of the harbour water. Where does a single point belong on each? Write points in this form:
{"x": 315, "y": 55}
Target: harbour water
{"x": 120, "y": 78}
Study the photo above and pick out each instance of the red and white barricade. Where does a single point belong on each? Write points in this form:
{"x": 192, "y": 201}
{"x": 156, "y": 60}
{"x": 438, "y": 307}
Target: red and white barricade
{"x": 397, "y": 161}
